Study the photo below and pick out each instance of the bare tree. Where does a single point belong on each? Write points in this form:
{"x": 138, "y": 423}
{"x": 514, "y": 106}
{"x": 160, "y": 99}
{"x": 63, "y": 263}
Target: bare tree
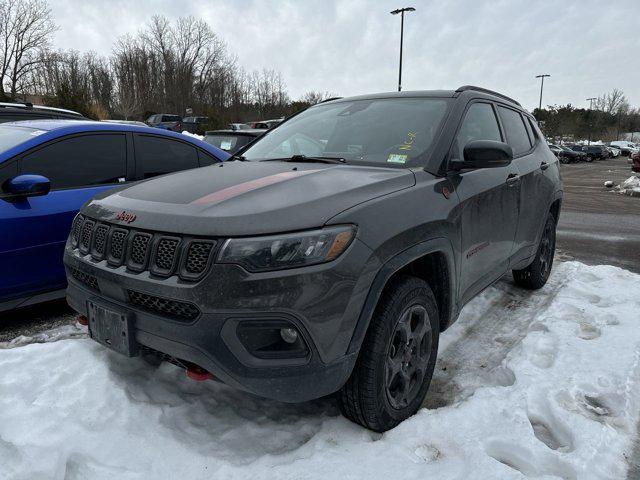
{"x": 26, "y": 27}
{"x": 611, "y": 102}
{"x": 312, "y": 97}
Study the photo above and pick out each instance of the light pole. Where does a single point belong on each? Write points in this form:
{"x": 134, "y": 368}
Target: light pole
{"x": 590, "y": 100}
{"x": 401, "y": 12}
{"x": 541, "y": 87}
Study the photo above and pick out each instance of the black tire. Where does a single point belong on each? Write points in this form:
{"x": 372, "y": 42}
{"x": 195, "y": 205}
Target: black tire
{"x": 535, "y": 275}
{"x": 589, "y": 159}
{"x": 564, "y": 160}
{"x": 394, "y": 358}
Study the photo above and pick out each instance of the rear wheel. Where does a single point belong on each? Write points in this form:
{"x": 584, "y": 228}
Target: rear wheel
{"x": 535, "y": 275}
{"x": 564, "y": 159}
{"x": 393, "y": 371}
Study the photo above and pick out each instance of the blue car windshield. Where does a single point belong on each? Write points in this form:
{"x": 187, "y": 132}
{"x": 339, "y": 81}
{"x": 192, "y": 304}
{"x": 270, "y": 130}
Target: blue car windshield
{"x": 12, "y": 136}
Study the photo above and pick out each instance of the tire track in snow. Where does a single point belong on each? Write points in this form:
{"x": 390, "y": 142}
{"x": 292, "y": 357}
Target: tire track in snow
{"x": 475, "y": 358}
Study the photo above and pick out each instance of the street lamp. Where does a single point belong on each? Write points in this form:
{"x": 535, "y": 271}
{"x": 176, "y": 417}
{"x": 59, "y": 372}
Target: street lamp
{"x": 401, "y": 12}
{"x": 590, "y": 100}
{"x": 541, "y": 87}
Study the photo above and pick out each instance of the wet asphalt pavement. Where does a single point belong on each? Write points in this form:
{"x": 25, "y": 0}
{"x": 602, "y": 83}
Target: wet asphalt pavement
{"x": 598, "y": 226}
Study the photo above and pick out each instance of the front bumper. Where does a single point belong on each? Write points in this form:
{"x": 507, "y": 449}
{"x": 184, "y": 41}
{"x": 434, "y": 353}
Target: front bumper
{"x": 323, "y": 302}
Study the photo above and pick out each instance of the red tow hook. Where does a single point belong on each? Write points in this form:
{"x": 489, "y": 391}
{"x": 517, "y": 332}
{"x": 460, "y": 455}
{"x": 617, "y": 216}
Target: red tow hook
{"x": 198, "y": 374}
{"x": 82, "y": 320}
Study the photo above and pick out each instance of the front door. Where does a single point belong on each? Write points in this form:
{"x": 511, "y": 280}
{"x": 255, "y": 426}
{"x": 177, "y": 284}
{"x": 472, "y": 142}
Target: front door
{"x": 489, "y": 199}
{"x": 35, "y": 229}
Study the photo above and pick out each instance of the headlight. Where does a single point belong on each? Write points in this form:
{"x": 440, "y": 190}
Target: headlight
{"x": 261, "y": 254}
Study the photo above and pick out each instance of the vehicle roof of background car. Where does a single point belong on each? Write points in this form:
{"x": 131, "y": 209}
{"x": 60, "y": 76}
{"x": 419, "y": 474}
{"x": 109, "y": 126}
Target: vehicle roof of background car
{"x": 57, "y": 128}
{"x": 249, "y": 132}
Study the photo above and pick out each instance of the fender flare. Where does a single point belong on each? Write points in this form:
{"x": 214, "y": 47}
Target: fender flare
{"x": 394, "y": 264}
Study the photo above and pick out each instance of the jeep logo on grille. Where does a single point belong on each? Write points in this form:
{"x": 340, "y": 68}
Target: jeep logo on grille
{"x": 126, "y": 217}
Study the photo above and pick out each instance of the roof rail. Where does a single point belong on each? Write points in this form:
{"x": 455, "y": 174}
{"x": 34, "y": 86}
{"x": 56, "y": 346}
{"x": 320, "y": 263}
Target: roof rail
{"x": 464, "y": 88}
{"x": 30, "y": 106}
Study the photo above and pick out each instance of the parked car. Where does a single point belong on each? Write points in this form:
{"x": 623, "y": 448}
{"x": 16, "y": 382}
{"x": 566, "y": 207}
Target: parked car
{"x": 197, "y": 125}
{"x": 613, "y": 151}
{"x": 166, "y": 122}
{"x": 266, "y": 124}
{"x": 332, "y": 257}
{"x": 635, "y": 162}
{"x": 573, "y": 155}
{"x": 566, "y": 155}
{"x": 14, "y": 112}
{"x": 592, "y": 152}
{"x": 627, "y": 148}
{"x": 239, "y": 126}
{"x": 48, "y": 169}
{"x": 232, "y": 140}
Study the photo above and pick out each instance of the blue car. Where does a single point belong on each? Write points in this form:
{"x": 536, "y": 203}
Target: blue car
{"x": 49, "y": 169}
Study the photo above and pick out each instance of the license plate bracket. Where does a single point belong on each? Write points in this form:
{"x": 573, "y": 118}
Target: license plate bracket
{"x": 113, "y": 328}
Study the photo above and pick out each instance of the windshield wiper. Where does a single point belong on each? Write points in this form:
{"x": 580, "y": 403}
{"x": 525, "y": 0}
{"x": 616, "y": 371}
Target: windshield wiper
{"x": 237, "y": 157}
{"x": 304, "y": 158}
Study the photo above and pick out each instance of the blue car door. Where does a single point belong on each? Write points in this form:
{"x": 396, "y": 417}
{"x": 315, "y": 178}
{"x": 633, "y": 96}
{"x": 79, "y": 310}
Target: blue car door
{"x": 35, "y": 229}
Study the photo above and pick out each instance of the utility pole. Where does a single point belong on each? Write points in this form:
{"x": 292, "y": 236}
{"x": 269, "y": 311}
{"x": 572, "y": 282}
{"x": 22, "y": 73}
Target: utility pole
{"x": 541, "y": 77}
{"x": 591, "y": 99}
{"x": 401, "y": 12}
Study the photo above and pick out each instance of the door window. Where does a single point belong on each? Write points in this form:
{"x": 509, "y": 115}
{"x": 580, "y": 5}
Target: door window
{"x": 157, "y": 156}
{"x": 80, "y": 161}
{"x": 479, "y": 123}
{"x": 515, "y": 130}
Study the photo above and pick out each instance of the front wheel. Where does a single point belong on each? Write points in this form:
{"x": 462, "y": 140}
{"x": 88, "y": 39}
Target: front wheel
{"x": 397, "y": 357}
{"x": 564, "y": 160}
{"x": 536, "y": 274}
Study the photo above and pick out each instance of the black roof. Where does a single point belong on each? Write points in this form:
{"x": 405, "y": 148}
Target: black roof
{"x": 29, "y": 107}
{"x": 429, "y": 94}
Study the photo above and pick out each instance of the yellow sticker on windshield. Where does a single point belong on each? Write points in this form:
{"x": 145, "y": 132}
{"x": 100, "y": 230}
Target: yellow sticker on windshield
{"x": 395, "y": 158}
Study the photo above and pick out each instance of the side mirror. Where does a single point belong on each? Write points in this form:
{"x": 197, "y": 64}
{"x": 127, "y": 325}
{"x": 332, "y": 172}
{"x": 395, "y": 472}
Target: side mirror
{"x": 485, "y": 154}
{"x": 26, "y": 186}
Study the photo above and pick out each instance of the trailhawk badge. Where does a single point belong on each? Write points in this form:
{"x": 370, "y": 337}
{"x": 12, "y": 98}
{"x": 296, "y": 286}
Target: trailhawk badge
{"x": 126, "y": 217}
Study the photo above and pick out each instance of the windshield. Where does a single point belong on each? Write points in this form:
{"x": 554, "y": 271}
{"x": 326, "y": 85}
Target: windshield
{"x": 12, "y": 136}
{"x": 390, "y": 132}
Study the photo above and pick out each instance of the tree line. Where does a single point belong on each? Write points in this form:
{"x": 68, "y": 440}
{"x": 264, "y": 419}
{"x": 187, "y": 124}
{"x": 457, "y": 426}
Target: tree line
{"x": 167, "y": 67}
{"x": 608, "y": 118}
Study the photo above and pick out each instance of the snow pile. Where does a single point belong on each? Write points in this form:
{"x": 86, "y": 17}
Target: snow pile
{"x": 194, "y": 135}
{"x": 53, "y": 335}
{"x": 543, "y": 384}
{"x": 631, "y": 186}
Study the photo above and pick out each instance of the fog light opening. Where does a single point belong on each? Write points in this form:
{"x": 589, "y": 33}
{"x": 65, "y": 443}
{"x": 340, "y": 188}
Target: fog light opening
{"x": 289, "y": 335}
{"x": 83, "y": 320}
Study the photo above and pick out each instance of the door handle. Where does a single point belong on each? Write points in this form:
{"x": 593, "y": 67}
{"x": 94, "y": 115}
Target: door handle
{"x": 544, "y": 166}
{"x": 512, "y": 179}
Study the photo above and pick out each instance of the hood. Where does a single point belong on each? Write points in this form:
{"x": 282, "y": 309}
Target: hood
{"x": 247, "y": 198}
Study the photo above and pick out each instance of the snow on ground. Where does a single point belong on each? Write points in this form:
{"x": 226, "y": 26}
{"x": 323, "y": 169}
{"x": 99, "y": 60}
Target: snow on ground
{"x": 541, "y": 384}
{"x": 631, "y": 186}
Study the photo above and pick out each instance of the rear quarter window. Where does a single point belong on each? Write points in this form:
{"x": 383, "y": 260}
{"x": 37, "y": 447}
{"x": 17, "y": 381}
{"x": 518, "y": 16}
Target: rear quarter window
{"x": 515, "y": 130}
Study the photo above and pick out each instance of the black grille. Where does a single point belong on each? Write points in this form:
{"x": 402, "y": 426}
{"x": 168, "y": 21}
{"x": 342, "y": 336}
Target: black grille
{"x": 76, "y": 229}
{"x": 84, "y": 278}
{"x": 163, "y": 306}
{"x": 85, "y": 236}
{"x": 116, "y": 246}
{"x": 198, "y": 257}
{"x": 162, "y": 255}
{"x": 166, "y": 254}
{"x": 100, "y": 241}
{"x": 139, "y": 246}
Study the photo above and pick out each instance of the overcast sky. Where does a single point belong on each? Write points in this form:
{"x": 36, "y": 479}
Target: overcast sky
{"x": 351, "y": 47}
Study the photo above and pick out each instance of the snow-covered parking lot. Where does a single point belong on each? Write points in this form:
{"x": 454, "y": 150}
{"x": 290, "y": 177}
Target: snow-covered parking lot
{"x": 536, "y": 384}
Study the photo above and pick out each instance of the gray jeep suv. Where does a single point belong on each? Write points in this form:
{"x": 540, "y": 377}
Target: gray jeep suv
{"x": 328, "y": 256}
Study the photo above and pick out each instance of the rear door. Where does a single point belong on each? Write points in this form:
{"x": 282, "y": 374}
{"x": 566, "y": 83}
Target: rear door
{"x": 78, "y": 167}
{"x": 159, "y": 155}
{"x": 488, "y": 205}
{"x": 535, "y": 165}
